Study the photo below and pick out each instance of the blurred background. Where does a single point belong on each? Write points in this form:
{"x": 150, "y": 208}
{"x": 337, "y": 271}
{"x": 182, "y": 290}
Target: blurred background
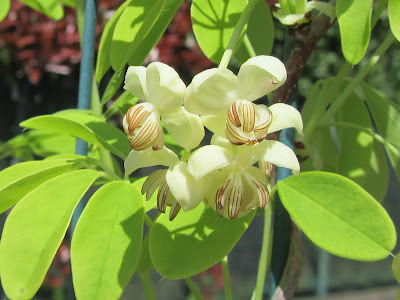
{"x": 39, "y": 69}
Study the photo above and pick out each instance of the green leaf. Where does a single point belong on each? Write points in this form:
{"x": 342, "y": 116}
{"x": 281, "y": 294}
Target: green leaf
{"x": 396, "y": 267}
{"x": 103, "y": 58}
{"x": 145, "y": 265}
{"x": 107, "y": 241}
{"x": 132, "y": 27}
{"x": 4, "y": 9}
{"x": 113, "y": 85}
{"x": 360, "y": 157}
{"x": 51, "y": 8}
{"x": 70, "y": 3}
{"x": 338, "y": 215}
{"x": 194, "y": 241}
{"x": 122, "y": 104}
{"x": 90, "y": 128}
{"x": 213, "y": 24}
{"x": 18, "y": 180}
{"x": 394, "y": 12}
{"x": 386, "y": 115}
{"x": 260, "y": 33}
{"x": 354, "y": 19}
{"x": 34, "y": 230}
{"x": 155, "y": 33}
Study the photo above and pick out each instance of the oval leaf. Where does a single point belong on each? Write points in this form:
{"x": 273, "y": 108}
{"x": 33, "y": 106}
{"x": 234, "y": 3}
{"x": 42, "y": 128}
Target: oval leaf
{"x": 394, "y": 21}
{"x": 107, "y": 241}
{"x": 34, "y": 230}
{"x": 338, "y": 215}
{"x": 133, "y": 25}
{"x": 213, "y": 24}
{"x": 86, "y": 127}
{"x": 194, "y": 241}
{"x": 396, "y": 267}
{"x": 354, "y": 19}
{"x": 51, "y": 8}
{"x": 18, "y": 180}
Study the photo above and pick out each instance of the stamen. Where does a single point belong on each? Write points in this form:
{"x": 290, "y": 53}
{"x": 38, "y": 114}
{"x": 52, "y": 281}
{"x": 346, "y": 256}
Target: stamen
{"x": 235, "y": 201}
{"x": 152, "y": 183}
{"x": 162, "y": 196}
{"x": 233, "y": 115}
{"x": 176, "y": 207}
{"x": 146, "y": 137}
{"x": 219, "y": 197}
{"x": 262, "y": 192}
{"x": 234, "y": 137}
{"x": 249, "y": 116}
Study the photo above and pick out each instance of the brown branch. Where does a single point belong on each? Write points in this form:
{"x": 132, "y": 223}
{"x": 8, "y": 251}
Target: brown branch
{"x": 305, "y": 38}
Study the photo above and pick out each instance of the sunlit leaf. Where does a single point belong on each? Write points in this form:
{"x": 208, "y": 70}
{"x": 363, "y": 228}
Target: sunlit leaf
{"x": 354, "y": 19}
{"x": 4, "y": 9}
{"x": 213, "y": 24}
{"x": 396, "y": 267}
{"x": 51, "y": 8}
{"x": 107, "y": 241}
{"x": 194, "y": 241}
{"x": 34, "y": 230}
{"x": 394, "y": 12}
{"x": 338, "y": 215}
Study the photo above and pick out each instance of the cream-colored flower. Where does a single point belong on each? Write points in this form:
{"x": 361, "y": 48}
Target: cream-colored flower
{"x": 163, "y": 90}
{"x": 225, "y": 101}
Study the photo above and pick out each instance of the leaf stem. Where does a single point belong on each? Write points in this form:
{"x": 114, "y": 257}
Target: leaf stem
{"x": 148, "y": 220}
{"x": 227, "y": 280}
{"x": 341, "y": 99}
{"x": 265, "y": 254}
{"x": 237, "y": 32}
{"x": 193, "y": 288}
{"x": 147, "y": 285}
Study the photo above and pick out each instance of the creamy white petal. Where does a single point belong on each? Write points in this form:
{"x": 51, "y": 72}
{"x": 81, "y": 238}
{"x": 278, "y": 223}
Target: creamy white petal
{"x": 211, "y": 92}
{"x": 164, "y": 86}
{"x": 187, "y": 191}
{"x": 221, "y": 141}
{"x": 185, "y": 128}
{"x": 285, "y": 116}
{"x": 215, "y": 123}
{"x": 135, "y": 82}
{"x": 207, "y": 159}
{"x": 279, "y": 154}
{"x": 260, "y": 75}
{"x": 147, "y": 158}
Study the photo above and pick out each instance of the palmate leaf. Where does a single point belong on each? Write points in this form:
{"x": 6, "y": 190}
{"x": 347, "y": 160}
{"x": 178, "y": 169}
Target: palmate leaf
{"x": 87, "y": 127}
{"x": 107, "y": 241}
{"x": 194, "y": 241}
{"x": 338, "y": 215}
{"x": 34, "y": 230}
{"x": 18, "y": 180}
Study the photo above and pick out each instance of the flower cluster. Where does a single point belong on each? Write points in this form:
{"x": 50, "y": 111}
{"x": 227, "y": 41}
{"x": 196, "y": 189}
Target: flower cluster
{"x": 230, "y": 175}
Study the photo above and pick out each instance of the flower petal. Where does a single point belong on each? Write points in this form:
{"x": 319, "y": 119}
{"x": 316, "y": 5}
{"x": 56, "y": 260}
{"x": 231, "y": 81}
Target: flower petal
{"x": 135, "y": 82}
{"x": 165, "y": 88}
{"x": 207, "y": 159}
{"x": 215, "y": 123}
{"x": 259, "y": 76}
{"x": 211, "y": 92}
{"x": 185, "y": 128}
{"x": 147, "y": 158}
{"x": 285, "y": 116}
{"x": 279, "y": 154}
{"x": 187, "y": 191}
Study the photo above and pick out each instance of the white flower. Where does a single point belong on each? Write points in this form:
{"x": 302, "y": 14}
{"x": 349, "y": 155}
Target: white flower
{"x": 164, "y": 91}
{"x": 234, "y": 185}
{"x": 176, "y": 186}
{"x": 225, "y": 101}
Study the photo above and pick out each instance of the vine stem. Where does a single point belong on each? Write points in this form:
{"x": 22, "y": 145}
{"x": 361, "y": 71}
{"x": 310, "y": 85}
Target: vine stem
{"x": 237, "y": 32}
{"x": 265, "y": 255}
{"x": 227, "y": 281}
{"x": 193, "y": 288}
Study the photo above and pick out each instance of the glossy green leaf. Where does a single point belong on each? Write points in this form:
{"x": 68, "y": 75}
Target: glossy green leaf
{"x": 107, "y": 241}
{"x": 338, "y": 215}
{"x": 34, "y": 230}
{"x": 121, "y": 104}
{"x": 360, "y": 157}
{"x": 155, "y": 33}
{"x": 260, "y": 33}
{"x": 386, "y": 115}
{"x": 18, "y": 180}
{"x": 103, "y": 58}
{"x": 194, "y": 241}
{"x": 51, "y": 8}
{"x": 213, "y": 24}
{"x": 112, "y": 87}
{"x": 396, "y": 267}
{"x": 132, "y": 27}
{"x": 354, "y": 19}
{"x": 90, "y": 128}
{"x": 4, "y": 9}
{"x": 394, "y": 21}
